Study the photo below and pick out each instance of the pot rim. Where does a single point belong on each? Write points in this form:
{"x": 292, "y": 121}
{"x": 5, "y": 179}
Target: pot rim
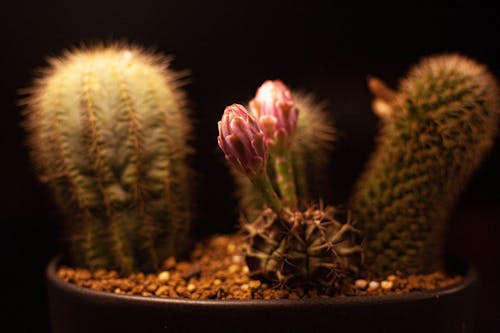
{"x": 469, "y": 278}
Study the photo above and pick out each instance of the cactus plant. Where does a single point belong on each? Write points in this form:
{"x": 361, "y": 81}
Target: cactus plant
{"x": 435, "y": 131}
{"x": 312, "y": 143}
{"x": 314, "y": 247}
{"x": 285, "y": 244}
{"x": 108, "y": 129}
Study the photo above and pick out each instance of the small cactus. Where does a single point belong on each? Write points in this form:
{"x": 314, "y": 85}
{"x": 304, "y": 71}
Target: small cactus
{"x": 311, "y": 247}
{"x": 312, "y": 142}
{"x": 435, "y": 132}
{"x": 312, "y": 146}
{"x": 284, "y": 244}
{"x": 108, "y": 128}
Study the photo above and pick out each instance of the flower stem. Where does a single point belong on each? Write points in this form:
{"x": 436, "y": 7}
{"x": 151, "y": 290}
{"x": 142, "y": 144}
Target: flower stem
{"x": 262, "y": 182}
{"x": 285, "y": 178}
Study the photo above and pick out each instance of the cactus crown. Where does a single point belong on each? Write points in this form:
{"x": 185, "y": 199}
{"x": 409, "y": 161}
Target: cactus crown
{"x": 435, "y": 131}
{"x": 108, "y": 130}
{"x": 287, "y": 243}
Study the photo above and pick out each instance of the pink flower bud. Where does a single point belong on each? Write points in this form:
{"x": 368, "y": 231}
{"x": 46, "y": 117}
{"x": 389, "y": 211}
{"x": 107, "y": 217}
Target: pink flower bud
{"x": 242, "y": 141}
{"x": 276, "y": 113}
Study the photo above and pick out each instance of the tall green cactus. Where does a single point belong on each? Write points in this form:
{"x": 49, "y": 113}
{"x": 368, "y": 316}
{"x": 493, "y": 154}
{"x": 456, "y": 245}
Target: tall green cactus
{"x": 435, "y": 132}
{"x": 109, "y": 130}
{"x": 312, "y": 144}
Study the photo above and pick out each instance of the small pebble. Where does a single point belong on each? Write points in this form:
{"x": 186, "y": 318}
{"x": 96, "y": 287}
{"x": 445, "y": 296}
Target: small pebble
{"x": 161, "y": 291}
{"x": 361, "y": 284}
{"x": 100, "y": 273}
{"x": 373, "y": 285}
{"x": 217, "y": 282}
{"x": 245, "y": 270}
{"x": 231, "y": 248}
{"x": 254, "y": 284}
{"x": 164, "y": 276}
{"x": 191, "y": 287}
{"x": 386, "y": 285}
{"x": 237, "y": 259}
{"x": 392, "y": 278}
{"x": 218, "y": 240}
{"x": 170, "y": 263}
{"x": 151, "y": 287}
{"x": 83, "y": 275}
{"x": 244, "y": 286}
{"x": 233, "y": 269}
{"x": 197, "y": 253}
{"x": 118, "y": 291}
{"x": 139, "y": 277}
{"x": 191, "y": 271}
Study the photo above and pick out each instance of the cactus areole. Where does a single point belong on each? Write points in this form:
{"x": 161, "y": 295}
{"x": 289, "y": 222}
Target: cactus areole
{"x": 108, "y": 128}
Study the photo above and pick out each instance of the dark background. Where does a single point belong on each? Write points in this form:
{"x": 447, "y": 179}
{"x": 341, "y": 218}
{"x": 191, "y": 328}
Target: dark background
{"x": 231, "y": 49}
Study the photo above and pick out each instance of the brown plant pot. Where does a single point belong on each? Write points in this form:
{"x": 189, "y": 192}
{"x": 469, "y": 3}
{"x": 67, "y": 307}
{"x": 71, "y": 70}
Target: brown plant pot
{"x": 76, "y": 309}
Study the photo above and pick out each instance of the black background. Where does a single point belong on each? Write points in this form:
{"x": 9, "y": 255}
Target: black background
{"x": 230, "y": 48}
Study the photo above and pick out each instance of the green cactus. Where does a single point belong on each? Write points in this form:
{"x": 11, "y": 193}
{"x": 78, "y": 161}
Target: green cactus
{"x": 312, "y": 144}
{"x": 435, "y": 132}
{"x": 108, "y": 128}
{"x": 311, "y": 247}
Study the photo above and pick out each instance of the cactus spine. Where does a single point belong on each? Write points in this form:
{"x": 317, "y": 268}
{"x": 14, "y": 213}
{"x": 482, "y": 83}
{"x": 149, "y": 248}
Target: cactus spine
{"x": 108, "y": 129}
{"x": 312, "y": 144}
{"x": 435, "y": 132}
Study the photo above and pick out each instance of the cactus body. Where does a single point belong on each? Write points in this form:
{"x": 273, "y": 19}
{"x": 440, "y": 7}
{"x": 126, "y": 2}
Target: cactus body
{"x": 435, "y": 132}
{"x": 313, "y": 141}
{"x": 312, "y": 247}
{"x": 108, "y": 129}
